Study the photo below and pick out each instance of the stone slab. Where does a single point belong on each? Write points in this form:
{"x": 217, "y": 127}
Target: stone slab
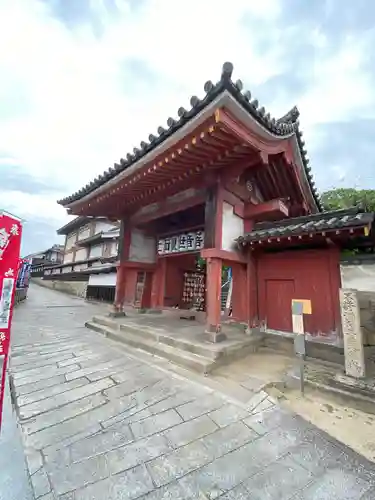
{"x": 124, "y": 486}
{"x": 82, "y": 372}
{"x": 137, "y": 452}
{"x": 185, "y": 433}
{"x": 335, "y": 483}
{"x": 45, "y": 374}
{"x": 59, "y": 415}
{"x": 228, "y": 439}
{"x": 178, "y": 463}
{"x": 53, "y": 453}
{"x": 196, "y": 408}
{"x": 352, "y": 333}
{"x": 228, "y": 414}
{"x": 32, "y": 409}
{"x": 42, "y": 384}
{"x": 76, "y": 425}
{"x": 50, "y": 391}
{"x": 281, "y": 479}
{"x": 80, "y": 474}
{"x": 23, "y": 363}
{"x": 100, "y": 443}
{"x": 156, "y": 423}
{"x": 134, "y": 384}
{"x": 40, "y": 483}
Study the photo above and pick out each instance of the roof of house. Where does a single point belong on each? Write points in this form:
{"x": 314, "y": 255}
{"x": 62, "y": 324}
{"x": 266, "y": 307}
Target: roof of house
{"x": 76, "y": 223}
{"x": 308, "y": 224}
{"x": 285, "y": 126}
{"x": 112, "y": 234}
{"x": 73, "y": 224}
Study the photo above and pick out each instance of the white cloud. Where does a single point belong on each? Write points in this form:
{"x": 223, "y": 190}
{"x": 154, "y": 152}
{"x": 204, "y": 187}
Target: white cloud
{"x": 72, "y": 110}
{"x": 29, "y": 207}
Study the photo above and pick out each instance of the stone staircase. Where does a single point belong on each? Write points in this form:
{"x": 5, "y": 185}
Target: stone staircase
{"x": 201, "y": 357}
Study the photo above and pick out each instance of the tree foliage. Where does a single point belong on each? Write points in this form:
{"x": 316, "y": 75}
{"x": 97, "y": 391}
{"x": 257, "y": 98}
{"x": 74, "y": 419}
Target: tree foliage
{"x": 335, "y": 199}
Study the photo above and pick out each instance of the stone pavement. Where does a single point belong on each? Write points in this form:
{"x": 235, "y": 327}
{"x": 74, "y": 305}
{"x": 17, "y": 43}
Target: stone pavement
{"x": 14, "y": 479}
{"x": 100, "y": 423}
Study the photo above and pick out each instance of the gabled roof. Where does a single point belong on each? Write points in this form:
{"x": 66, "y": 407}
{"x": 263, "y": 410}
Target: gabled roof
{"x": 285, "y": 126}
{"x": 112, "y": 234}
{"x": 73, "y": 224}
{"x": 309, "y": 224}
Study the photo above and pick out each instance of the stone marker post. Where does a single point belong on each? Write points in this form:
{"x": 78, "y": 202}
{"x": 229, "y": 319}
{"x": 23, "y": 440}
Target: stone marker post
{"x": 353, "y": 336}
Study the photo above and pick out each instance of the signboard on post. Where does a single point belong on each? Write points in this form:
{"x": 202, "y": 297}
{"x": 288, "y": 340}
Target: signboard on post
{"x": 10, "y": 242}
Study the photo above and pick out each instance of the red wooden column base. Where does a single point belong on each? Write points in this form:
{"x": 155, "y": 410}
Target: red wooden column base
{"x": 118, "y": 306}
{"x": 213, "y": 300}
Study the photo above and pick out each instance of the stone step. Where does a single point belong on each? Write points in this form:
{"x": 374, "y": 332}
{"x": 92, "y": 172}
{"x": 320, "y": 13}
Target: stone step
{"x": 157, "y": 335}
{"x": 177, "y": 356}
{"x": 221, "y": 355}
{"x": 151, "y": 333}
{"x": 194, "y": 348}
{"x": 106, "y": 321}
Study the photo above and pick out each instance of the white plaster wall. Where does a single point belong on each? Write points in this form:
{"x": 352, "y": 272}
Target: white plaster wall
{"x": 105, "y": 279}
{"x": 84, "y": 232}
{"x": 70, "y": 240}
{"x": 232, "y": 227}
{"x": 103, "y": 226}
{"x": 114, "y": 248}
{"x": 81, "y": 254}
{"x": 68, "y": 257}
{"x": 142, "y": 247}
{"x": 96, "y": 251}
{"x": 359, "y": 277}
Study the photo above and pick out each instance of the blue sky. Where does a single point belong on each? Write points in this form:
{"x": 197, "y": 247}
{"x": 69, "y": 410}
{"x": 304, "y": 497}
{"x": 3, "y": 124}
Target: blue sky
{"x": 84, "y": 81}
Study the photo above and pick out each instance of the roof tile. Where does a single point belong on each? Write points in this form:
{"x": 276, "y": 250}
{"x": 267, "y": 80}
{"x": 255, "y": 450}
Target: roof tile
{"x": 285, "y": 125}
{"x": 338, "y": 219}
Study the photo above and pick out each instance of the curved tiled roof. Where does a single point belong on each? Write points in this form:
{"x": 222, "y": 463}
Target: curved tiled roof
{"x": 284, "y": 126}
{"x": 307, "y": 224}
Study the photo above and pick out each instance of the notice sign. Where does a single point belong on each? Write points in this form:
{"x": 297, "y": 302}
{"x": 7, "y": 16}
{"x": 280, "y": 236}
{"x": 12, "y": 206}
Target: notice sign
{"x": 10, "y": 242}
{"x": 299, "y": 308}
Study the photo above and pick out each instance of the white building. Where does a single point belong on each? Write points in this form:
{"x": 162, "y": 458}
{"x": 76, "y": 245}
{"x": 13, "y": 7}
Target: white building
{"x": 89, "y": 259}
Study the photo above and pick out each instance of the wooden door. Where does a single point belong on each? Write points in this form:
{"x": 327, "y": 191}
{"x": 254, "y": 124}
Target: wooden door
{"x": 279, "y": 295}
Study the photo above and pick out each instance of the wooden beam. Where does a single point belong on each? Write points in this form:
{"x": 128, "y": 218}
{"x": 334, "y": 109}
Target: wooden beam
{"x": 268, "y": 210}
{"x": 224, "y": 255}
{"x": 228, "y": 122}
{"x": 170, "y": 207}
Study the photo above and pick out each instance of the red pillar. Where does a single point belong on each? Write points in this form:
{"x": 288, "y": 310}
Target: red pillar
{"x": 213, "y": 299}
{"x": 118, "y": 306}
{"x": 252, "y": 292}
{"x": 123, "y": 252}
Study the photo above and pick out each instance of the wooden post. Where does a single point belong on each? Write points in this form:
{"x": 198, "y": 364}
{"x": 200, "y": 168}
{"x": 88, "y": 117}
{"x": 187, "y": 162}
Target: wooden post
{"x": 213, "y": 300}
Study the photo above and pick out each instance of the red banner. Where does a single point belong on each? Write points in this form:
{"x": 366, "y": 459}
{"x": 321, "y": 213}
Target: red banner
{"x": 10, "y": 243}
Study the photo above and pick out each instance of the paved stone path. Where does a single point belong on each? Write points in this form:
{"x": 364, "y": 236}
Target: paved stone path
{"x": 98, "y": 423}
{"x": 14, "y": 480}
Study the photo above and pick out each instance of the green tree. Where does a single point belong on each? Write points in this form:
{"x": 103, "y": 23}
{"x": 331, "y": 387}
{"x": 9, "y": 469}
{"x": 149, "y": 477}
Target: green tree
{"x": 335, "y": 199}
